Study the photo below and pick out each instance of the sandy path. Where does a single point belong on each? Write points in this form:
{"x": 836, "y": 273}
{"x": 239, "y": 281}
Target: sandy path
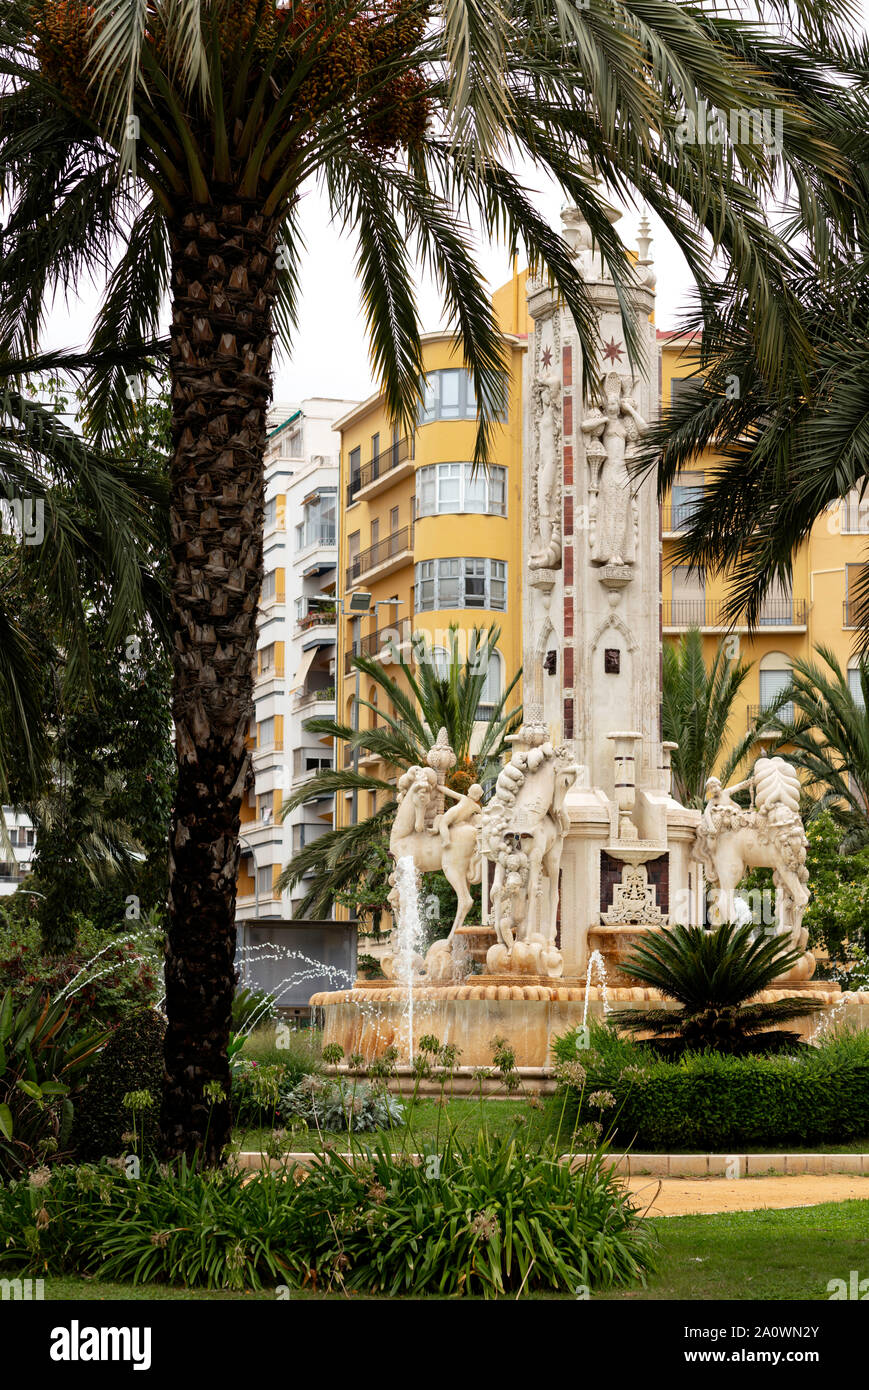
{"x": 702, "y": 1196}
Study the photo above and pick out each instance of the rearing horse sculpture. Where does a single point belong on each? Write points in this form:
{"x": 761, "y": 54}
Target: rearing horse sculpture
{"x": 731, "y": 839}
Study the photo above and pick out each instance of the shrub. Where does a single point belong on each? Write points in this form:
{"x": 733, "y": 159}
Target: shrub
{"x": 39, "y": 1066}
{"x": 336, "y": 1105}
{"x": 131, "y": 1061}
{"x": 481, "y": 1219}
{"x": 124, "y": 978}
{"x": 711, "y": 1101}
{"x": 283, "y": 1053}
{"x": 713, "y": 975}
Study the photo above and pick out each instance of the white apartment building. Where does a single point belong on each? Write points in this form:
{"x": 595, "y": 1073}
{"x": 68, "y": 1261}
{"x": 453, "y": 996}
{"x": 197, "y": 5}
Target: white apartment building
{"x": 15, "y": 857}
{"x": 296, "y": 649}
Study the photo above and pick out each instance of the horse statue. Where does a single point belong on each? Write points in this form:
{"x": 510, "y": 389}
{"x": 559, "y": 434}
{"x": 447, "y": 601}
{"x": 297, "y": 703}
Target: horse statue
{"x": 522, "y": 831}
{"x": 731, "y": 839}
{"x": 437, "y": 837}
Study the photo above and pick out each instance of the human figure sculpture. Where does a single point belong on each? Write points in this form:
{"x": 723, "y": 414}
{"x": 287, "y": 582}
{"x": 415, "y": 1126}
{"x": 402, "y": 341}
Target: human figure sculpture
{"x": 547, "y": 552}
{"x": 613, "y": 515}
{"x": 769, "y": 834}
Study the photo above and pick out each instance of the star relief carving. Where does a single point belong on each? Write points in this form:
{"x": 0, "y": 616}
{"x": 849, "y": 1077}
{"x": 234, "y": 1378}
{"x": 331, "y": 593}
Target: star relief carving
{"x": 613, "y": 351}
{"x": 547, "y": 357}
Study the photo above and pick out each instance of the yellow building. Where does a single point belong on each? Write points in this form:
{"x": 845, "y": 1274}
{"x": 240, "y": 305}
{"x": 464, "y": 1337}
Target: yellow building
{"x": 432, "y": 540}
{"x": 793, "y": 622}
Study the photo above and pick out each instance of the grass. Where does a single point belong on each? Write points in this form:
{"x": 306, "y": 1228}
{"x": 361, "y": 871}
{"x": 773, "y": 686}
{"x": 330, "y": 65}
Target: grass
{"x": 764, "y": 1255}
{"x": 496, "y": 1117}
{"x": 467, "y": 1115}
{"x": 749, "y": 1255}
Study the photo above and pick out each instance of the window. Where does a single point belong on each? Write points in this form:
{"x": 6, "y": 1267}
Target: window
{"x": 266, "y": 733}
{"x": 491, "y": 691}
{"x": 855, "y": 686}
{"x": 269, "y": 586}
{"x": 271, "y": 513}
{"x": 292, "y": 444}
{"x": 264, "y": 879}
{"x": 775, "y": 678}
{"x": 457, "y": 487}
{"x": 855, "y": 512}
{"x": 686, "y": 493}
{"x": 353, "y": 546}
{"x": 777, "y": 608}
{"x": 689, "y": 597}
{"x": 375, "y": 446}
{"x": 449, "y": 395}
{"x": 375, "y": 531}
{"x": 684, "y": 387}
{"x": 318, "y": 523}
{"x": 393, "y": 519}
{"x": 461, "y": 583}
{"x": 855, "y": 602}
{"x": 267, "y": 660}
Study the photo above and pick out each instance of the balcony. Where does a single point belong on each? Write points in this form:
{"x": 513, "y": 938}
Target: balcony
{"x": 381, "y": 559}
{"x": 675, "y": 517}
{"x": 307, "y": 762}
{"x": 756, "y": 713}
{"x": 317, "y": 549}
{"x": 315, "y": 696}
{"x": 316, "y": 613}
{"x": 855, "y": 518}
{"x": 709, "y": 614}
{"x": 385, "y": 645}
{"x": 388, "y": 467}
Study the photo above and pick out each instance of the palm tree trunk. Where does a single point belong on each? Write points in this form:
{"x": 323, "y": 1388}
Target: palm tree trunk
{"x": 223, "y": 267}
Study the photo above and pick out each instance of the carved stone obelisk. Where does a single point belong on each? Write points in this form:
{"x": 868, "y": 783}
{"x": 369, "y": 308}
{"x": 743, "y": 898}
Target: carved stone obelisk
{"x": 592, "y": 613}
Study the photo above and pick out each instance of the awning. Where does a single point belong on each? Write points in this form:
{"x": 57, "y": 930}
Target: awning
{"x": 305, "y": 665}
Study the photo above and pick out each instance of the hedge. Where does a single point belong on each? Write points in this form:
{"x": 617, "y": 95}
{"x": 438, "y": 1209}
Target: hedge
{"x": 710, "y": 1101}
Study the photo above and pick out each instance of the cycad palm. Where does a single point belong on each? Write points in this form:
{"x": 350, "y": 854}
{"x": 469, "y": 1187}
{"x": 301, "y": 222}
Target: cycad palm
{"x": 408, "y": 112}
{"x": 712, "y": 974}
{"x": 828, "y": 739}
{"x": 696, "y": 712}
{"x": 427, "y": 696}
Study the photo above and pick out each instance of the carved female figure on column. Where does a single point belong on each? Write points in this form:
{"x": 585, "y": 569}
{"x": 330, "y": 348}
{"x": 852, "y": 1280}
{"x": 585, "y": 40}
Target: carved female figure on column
{"x": 617, "y": 426}
{"x": 547, "y": 553}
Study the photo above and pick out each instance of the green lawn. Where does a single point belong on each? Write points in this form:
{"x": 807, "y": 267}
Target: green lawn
{"x": 763, "y": 1255}
{"x": 759, "y": 1254}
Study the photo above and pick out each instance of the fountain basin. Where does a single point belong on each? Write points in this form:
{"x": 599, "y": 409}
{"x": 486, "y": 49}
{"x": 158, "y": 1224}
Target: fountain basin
{"x": 529, "y": 1015}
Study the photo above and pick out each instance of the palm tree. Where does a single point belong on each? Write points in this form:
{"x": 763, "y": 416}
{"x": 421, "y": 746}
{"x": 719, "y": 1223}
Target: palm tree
{"x": 83, "y": 524}
{"x": 696, "y": 710}
{"x": 712, "y": 974}
{"x": 828, "y": 740}
{"x": 788, "y": 445}
{"x": 186, "y": 131}
{"x": 429, "y": 696}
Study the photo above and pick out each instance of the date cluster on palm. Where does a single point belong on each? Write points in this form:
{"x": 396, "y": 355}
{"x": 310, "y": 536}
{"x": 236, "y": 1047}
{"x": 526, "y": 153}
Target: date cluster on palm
{"x": 359, "y": 57}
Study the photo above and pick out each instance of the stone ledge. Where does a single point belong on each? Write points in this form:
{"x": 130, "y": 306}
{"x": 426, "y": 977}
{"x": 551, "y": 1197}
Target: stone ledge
{"x": 709, "y": 1165}
{"x": 552, "y": 994}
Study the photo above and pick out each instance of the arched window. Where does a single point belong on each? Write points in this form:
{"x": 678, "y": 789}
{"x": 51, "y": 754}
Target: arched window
{"x": 775, "y": 677}
{"x": 492, "y": 686}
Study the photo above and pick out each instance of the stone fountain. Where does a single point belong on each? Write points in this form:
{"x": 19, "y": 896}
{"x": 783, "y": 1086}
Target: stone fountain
{"x": 582, "y": 848}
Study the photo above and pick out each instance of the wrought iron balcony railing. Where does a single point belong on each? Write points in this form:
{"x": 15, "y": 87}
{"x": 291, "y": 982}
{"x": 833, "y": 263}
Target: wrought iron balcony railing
{"x": 382, "y": 463}
{"x": 396, "y": 543}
